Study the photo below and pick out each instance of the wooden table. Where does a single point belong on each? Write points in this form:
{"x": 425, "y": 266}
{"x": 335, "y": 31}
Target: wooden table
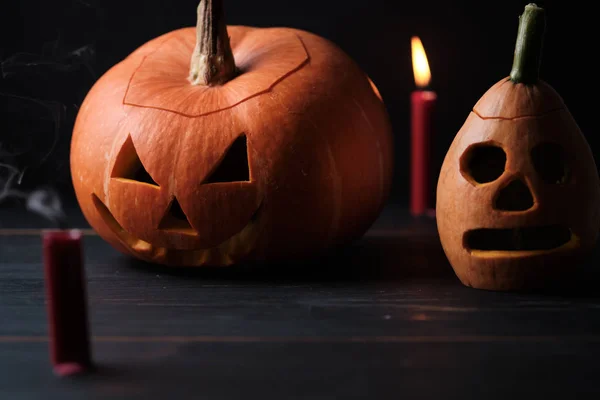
{"x": 389, "y": 320}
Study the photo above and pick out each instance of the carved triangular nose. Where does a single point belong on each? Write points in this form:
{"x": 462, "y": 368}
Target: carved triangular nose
{"x": 175, "y": 219}
{"x": 516, "y": 196}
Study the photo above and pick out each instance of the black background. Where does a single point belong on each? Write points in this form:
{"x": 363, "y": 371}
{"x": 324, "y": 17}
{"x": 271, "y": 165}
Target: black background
{"x": 53, "y": 51}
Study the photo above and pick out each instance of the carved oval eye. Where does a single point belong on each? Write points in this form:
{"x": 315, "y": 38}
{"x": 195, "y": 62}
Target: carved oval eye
{"x": 550, "y": 163}
{"x": 483, "y": 163}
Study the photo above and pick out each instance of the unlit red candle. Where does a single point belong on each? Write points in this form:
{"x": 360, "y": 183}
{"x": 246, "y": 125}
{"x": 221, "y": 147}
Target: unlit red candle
{"x": 66, "y": 300}
{"x": 422, "y": 104}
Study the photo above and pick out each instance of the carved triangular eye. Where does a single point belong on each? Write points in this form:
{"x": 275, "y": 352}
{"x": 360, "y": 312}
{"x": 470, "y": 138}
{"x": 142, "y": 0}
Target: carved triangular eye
{"x": 234, "y": 166}
{"x": 175, "y": 218}
{"x": 129, "y": 166}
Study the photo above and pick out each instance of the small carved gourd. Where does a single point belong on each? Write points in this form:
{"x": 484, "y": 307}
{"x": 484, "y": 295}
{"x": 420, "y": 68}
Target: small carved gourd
{"x": 518, "y": 194}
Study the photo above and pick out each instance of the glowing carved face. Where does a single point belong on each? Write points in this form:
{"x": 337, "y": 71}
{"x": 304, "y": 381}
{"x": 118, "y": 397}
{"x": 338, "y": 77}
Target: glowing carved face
{"x": 190, "y": 239}
{"x": 516, "y": 196}
{"x": 516, "y": 190}
{"x": 187, "y": 172}
{"x": 263, "y": 167}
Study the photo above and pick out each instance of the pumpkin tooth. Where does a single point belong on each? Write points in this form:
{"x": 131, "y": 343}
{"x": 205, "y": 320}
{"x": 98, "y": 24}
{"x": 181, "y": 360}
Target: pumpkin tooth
{"x": 203, "y": 257}
{"x": 142, "y": 246}
{"x": 235, "y": 244}
{"x": 242, "y": 242}
{"x": 226, "y": 246}
{"x": 225, "y": 259}
{"x": 160, "y": 252}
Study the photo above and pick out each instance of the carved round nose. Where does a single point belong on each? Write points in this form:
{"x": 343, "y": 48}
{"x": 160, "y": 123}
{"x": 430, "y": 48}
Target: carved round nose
{"x": 515, "y": 196}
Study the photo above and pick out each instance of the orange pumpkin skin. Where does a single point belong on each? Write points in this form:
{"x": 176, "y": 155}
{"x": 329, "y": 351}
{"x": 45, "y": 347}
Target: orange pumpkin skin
{"x": 518, "y": 118}
{"x": 319, "y": 151}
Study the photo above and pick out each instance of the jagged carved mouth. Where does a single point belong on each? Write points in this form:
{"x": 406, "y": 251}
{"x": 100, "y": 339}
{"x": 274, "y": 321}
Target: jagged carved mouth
{"x": 223, "y": 254}
{"x": 517, "y": 241}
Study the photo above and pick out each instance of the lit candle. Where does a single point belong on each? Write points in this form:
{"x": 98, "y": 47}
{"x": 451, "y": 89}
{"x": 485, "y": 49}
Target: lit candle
{"x": 422, "y": 106}
{"x": 66, "y": 302}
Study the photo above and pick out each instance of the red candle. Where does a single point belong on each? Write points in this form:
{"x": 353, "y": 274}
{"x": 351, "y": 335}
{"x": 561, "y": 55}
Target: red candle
{"x": 422, "y": 103}
{"x": 66, "y": 302}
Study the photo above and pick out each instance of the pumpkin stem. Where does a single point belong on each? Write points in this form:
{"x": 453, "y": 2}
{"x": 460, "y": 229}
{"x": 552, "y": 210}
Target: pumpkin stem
{"x": 212, "y": 61}
{"x": 528, "y": 49}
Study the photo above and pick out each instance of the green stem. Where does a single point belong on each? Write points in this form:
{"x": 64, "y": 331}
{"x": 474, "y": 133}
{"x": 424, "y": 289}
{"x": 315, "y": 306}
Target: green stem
{"x": 212, "y": 61}
{"x": 528, "y": 49}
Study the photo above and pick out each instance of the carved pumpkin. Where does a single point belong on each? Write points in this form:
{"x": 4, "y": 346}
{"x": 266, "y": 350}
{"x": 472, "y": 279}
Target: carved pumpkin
{"x": 272, "y": 143}
{"x": 518, "y": 194}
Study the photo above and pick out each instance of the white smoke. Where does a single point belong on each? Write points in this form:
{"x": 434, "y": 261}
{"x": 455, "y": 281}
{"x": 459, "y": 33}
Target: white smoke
{"x": 42, "y": 201}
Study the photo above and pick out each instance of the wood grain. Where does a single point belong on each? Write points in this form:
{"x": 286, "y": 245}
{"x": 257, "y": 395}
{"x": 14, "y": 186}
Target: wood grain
{"x": 382, "y": 318}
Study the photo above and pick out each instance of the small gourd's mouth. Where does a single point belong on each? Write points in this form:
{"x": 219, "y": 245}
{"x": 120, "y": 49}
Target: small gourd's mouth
{"x": 225, "y": 253}
{"x": 518, "y": 241}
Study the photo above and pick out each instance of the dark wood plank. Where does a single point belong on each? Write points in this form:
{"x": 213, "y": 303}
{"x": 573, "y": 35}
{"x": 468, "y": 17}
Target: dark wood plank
{"x": 317, "y": 371}
{"x": 382, "y": 318}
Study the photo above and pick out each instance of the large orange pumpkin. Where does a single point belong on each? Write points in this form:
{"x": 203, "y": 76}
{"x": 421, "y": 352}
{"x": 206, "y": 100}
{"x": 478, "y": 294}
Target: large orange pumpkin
{"x": 269, "y": 143}
{"x": 518, "y": 197}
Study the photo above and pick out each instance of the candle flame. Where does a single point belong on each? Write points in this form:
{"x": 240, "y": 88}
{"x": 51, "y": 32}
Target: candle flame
{"x": 420, "y": 63}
